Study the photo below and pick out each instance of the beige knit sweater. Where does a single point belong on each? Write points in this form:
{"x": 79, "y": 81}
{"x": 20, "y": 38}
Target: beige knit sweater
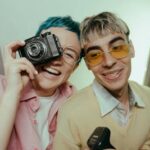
{"x": 81, "y": 115}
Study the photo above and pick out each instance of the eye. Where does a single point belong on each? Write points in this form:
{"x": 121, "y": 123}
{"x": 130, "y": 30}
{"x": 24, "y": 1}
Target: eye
{"x": 94, "y": 54}
{"x": 70, "y": 54}
{"x": 118, "y": 48}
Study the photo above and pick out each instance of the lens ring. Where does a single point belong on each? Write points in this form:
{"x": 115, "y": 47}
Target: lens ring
{"x": 35, "y": 50}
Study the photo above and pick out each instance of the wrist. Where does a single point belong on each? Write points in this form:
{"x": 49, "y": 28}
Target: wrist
{"x": 14, "y": 92}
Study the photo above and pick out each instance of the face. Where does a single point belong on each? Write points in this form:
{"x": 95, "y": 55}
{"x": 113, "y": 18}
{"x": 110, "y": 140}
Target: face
{"x": 111, "y": 72}
{"x": 53, "y": 74}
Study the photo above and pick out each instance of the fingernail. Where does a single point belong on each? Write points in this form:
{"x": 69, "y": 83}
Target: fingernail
{"x": 36, "y": 72}
{"x": 22, "y": 42}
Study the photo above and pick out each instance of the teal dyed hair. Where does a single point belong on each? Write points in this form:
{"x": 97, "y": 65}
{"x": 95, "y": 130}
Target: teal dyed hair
{"x": 59, "y": 21}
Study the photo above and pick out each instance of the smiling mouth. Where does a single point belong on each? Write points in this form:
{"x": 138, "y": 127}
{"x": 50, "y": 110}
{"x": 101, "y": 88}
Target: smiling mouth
{"x": 112, "y": 75}
{"x": 52, "y": 71}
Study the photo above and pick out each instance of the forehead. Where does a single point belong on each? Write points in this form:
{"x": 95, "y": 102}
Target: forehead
{"x": 101, "y": 40}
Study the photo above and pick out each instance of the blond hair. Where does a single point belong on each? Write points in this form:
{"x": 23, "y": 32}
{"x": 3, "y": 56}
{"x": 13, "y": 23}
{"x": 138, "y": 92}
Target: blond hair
{"x": 102, "y": 24}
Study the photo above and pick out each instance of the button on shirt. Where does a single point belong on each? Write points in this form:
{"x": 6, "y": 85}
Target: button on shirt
{"x": 109, "y": 104}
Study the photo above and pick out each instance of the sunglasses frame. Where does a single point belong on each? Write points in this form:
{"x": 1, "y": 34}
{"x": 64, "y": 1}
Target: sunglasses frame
{"x": 110, "y": 51}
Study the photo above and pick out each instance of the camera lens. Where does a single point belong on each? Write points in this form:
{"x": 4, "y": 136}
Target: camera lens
{"x": 34, "y": 50}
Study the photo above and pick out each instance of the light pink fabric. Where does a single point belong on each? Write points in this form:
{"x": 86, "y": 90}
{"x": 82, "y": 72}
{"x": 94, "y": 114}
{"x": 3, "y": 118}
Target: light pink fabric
{"x": 24, "y": 135}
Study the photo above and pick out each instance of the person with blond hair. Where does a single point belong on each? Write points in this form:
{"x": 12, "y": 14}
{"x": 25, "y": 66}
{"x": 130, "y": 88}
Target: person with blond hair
{"x": 111, "y": 101}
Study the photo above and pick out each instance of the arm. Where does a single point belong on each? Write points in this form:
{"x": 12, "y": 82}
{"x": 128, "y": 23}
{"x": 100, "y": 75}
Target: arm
{"x": 18, "y": 72}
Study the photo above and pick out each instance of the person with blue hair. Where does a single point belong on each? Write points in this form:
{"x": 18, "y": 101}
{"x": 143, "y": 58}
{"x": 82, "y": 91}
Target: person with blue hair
{"x": 32, "y": 95}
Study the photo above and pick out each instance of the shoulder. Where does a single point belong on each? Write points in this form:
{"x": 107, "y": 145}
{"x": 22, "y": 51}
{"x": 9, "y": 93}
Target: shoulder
{"x": 138, "y": 87}
{"x": 78, "y": 101}
{"x": 142, "y": 91}
{"x": 80, "y": 96}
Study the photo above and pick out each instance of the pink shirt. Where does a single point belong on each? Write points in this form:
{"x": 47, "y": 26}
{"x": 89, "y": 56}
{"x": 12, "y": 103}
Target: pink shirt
{"x": 24, "y": 135}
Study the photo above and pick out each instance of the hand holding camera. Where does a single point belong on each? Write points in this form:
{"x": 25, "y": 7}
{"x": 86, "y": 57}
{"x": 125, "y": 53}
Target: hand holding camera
{"x": 41, "y": 49}
{"x": 17, "y": 71}
{"x": 34, "y": 51}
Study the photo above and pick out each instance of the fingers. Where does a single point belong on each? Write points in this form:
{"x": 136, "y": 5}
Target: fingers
{"x": 10, "y": 58}
{"x": 25, "y": 70}
{"x": 11, "y": 48}
{"x": 21, "y": 67}
{"x": 27, "y": 66}
{"x": 16, "y": 44}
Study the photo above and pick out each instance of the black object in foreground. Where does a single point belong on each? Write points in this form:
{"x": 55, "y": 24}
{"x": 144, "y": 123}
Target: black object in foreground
{"x": 100, "y": 139}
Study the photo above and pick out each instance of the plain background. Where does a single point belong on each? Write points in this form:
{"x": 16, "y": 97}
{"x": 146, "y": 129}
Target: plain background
{"x": 19, "y": 19}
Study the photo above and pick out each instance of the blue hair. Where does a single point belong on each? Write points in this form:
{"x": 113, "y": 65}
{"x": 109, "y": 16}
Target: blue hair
{"x": 59, "y": 21}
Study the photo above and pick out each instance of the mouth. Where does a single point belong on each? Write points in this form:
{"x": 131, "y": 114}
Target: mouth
{"x": 51, "y": 71}
{"x": 112, "y": 75}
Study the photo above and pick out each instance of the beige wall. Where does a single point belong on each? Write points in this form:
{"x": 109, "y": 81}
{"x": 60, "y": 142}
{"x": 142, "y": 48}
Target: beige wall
{"x": 19, "y": 19}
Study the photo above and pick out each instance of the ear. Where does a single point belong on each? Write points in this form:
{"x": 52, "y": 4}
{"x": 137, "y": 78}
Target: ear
{"x": 132, "y": 51}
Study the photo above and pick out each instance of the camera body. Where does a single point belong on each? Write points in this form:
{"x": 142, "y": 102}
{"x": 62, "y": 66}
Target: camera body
{"x": 41, "y": 49}
{"x": 100, "y": 139}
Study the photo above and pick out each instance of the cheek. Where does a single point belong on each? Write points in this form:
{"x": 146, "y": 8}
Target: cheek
{"x": 96, "y": 70}
{"x": 127, "y": 62}
{"x": 68, "y": 71}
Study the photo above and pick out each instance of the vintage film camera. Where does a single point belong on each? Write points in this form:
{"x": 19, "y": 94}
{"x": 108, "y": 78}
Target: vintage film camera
{"x": 41, "y": 49}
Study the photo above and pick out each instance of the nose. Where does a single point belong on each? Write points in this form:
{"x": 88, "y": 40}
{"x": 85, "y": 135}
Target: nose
{"x": 109, "y": 60}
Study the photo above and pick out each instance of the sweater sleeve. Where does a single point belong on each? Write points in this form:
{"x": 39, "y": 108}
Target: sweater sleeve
{"x": 146, "y": 145}
{"x": 66, "y": 137}
{"x": 63, "y": 142}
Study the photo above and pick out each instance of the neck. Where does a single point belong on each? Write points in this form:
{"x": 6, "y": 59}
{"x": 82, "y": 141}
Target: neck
{"x": 44, "y": 93}
{"x": 122, "y": 96}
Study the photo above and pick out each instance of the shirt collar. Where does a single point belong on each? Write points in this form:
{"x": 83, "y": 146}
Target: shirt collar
{"x": 137, "y": 101}
{"x": 107, "y": 102}
{"x": 28, "y": 93}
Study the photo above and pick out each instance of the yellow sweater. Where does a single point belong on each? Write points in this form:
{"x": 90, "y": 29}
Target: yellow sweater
{"x": 81, "y": 115}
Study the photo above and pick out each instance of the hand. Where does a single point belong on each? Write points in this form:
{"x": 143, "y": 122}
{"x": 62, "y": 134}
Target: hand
{"x": 18, "y": 71}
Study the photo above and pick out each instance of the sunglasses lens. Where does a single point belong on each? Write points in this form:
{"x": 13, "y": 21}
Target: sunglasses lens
{"x": 94, "y": 57}
{"x": 120, "y": 51}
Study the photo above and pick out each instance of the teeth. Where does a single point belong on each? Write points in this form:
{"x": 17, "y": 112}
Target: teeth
{"x": 51, "y": 70}
{"x": 111, "y": 76}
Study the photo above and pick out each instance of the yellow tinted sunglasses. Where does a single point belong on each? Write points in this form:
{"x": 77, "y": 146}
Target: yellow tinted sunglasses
{"x": 96, "y": 56}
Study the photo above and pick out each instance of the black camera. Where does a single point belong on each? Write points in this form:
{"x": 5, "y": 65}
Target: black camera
{"x": 41, "y": 49}
{"x": 100, "y": 139}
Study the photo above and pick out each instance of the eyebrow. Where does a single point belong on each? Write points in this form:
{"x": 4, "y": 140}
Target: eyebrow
{"x": 93, "y": 47}
{"x": 116, "y": 39}
{"x": 71, "y": 49}
{"x": 98, "y": 47}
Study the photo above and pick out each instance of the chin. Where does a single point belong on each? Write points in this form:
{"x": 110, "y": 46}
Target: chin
{"x": 116, "y": 86}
